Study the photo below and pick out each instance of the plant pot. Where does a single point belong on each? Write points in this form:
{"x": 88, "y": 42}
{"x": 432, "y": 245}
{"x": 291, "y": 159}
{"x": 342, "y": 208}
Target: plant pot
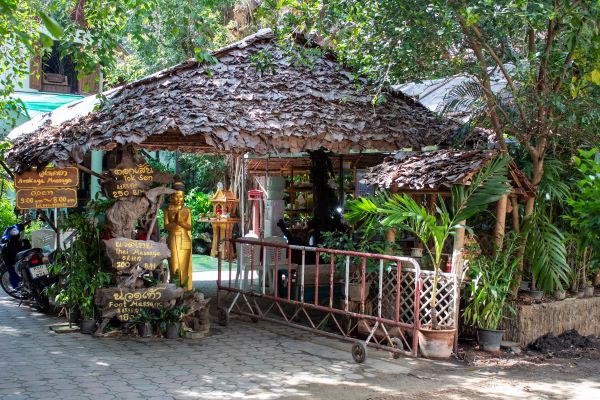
{"x": 560, "y": 294}
{"x": 436, "y": 343}
{"x": 524, "y": 285}
{"x": 146, "y": 329}
{"x": 580, "y": 293}
{"x": 416, "y": 252}
{"x": 87, "y": 326}
{"x": 588, "y": 291}
{"x": 73, "y": 316}
{"x": 172, "y": 331}
{"x": 489, "y": 339}
{"x": 536, "y": 294}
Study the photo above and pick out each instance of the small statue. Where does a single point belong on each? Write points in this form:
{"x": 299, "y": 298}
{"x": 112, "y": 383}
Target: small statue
{"x": 178, "y": 222}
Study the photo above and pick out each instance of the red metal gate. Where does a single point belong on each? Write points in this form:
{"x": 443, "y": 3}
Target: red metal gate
{"x": 378, "y": 298}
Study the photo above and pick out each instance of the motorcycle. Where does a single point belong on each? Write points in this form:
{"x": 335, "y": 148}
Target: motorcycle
{"x": 28, "y": 275}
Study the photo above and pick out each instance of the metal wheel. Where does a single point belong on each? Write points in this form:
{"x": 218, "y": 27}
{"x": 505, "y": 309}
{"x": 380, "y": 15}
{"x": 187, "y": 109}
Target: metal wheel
{"x": 359, "y": 351}
{"x": 7, "y": 287}
{"x": 223, "y": 316}
{"x": 254, "y": 317}
{"x": 397, "y": 342}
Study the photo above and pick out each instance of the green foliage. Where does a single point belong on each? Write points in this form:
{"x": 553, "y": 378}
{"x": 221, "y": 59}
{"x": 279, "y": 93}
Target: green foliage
{"x": 171, "y": 315}
{"x": 200, "y": 205}
{"x": 357, "y": 242}
{"x": 403, "y": 212}
{"x": 202, "y": 171}
{"x": 144, "y": 317}
{"x": 263, "y": 62}
{"x": 80, "y": 267}
{"x": 490, "y": 286}
{"x": 546, "y": 252}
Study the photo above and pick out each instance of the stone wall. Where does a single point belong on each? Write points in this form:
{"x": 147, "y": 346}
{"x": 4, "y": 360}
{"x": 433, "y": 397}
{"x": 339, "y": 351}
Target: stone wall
{"x": 533, "y": 321}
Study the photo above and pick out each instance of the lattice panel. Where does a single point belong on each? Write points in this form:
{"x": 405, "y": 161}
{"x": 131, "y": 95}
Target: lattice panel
{"x": 445, "y": 299}
{"x": 388, "y": 300}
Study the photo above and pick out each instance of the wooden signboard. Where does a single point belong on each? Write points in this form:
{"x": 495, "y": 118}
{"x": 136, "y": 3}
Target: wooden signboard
{"x": 125, "y": 303}
{"x": 125, "y": 254}
{"x": 48, "y": 177}
{"x": 129, "y": 181}
{"x": 46, "y": 198}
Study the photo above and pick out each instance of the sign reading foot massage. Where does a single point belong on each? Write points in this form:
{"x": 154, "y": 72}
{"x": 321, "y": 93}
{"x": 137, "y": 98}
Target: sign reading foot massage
{"x": 47, "y": 188}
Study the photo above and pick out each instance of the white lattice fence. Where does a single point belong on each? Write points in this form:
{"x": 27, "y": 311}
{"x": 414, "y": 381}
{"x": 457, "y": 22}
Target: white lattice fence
{"x": 445, "y": 295}
{"x": 445, "y": 299}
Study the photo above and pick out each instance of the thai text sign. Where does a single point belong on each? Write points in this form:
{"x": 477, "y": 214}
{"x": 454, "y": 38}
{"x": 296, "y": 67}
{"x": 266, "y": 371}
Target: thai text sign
{"x": 46, "y": 198}
{"x": 127, "y": 253}
{"x": 125, "y": 303}
{"x": 129, "y": 181}
{"x": 48, "y": 177}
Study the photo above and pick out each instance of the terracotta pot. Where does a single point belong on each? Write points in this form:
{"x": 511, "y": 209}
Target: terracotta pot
{"x": 436, "y": 343}
{"x": 416, "y": 252}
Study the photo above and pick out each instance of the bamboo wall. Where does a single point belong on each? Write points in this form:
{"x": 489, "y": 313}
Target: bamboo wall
{"x": 533, "y": 321}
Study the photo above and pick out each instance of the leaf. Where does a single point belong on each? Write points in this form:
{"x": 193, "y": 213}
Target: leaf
{"x": 53, "y": 27}
{"x": 596, "y": 76}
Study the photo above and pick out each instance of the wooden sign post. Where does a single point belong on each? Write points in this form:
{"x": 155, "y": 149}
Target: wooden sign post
{"x": 48, "y": 188}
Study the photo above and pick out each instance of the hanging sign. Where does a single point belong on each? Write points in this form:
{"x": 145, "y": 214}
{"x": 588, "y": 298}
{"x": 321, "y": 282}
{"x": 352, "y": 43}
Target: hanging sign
{"x": 129, "y": 181}
{"x": 125, "y": 303}
{"x": 128, "y": 253}
{"x": 46, "y": 198}
{"x": 48, "y": 177}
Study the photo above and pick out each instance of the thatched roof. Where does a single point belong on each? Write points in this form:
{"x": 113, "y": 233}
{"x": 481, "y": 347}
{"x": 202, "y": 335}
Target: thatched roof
{"x": 438, "y": 171}
{"x": 257, "y": 98}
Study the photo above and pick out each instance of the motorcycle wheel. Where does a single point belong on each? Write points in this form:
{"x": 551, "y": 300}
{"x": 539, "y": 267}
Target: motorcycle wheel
{"x": 7, "y": 287}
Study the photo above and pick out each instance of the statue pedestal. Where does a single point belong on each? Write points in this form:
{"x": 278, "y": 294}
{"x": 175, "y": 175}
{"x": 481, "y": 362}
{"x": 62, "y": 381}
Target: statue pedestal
{"x": 222, "y": 230}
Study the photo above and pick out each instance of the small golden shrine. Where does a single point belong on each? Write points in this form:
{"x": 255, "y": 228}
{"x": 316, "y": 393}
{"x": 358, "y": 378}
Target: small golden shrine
{"x": 222, "y": 219}
{"x": 224, "y": 202}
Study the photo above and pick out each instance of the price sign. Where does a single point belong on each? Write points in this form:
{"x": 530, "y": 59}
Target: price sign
{"x": 126, "y": 303}
{"x": 127, "y": 253}
{"x": 48, "y": 177}
{"x": 129, "y": 181}
{"x": 46, "y": 198}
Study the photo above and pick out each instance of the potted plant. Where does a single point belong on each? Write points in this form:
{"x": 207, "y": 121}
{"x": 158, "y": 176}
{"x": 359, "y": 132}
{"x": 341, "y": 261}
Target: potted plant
{"x": 489, "y": 292}
{"x": 403, "y": 212}
{"x": 144, "y": 321}
{"x": 85, "y": 298}
{"x": 170, "y": 320}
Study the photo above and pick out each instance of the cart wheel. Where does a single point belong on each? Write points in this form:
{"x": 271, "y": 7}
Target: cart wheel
{"x": 254, "y": 317}
{"x": 397, "y": 342}
{"x": 223, "y": 315}
{"x": 359, "y": 351}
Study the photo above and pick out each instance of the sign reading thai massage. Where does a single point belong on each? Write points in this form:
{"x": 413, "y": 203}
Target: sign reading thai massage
{"x": 128, "y": 253}
{"x": 46, "y": 198}
{"x": 48, "y": 177}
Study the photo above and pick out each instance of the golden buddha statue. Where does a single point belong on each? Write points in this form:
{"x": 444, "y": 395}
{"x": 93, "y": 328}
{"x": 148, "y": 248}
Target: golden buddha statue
{"x": 178, "y": 222}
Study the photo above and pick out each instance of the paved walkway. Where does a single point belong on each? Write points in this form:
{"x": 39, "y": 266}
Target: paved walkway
{"x": 244, "y": 360}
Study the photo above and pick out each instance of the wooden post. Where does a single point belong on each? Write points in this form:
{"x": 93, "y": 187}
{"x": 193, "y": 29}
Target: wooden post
{"x": 515, "y": 214}
{"x": 457, "y": 268}
{"x": 500, "y": 221}
{"x": 390, "y": 234}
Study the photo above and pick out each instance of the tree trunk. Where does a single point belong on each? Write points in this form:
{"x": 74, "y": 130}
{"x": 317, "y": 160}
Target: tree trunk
{"x": 500, "y": 221}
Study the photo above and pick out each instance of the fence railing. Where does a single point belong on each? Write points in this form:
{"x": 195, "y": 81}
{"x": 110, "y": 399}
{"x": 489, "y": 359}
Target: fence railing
{"x": 347, "y": 293}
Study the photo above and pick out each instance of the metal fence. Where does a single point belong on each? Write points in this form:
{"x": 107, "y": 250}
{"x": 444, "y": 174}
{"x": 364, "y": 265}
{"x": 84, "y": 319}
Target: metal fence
{"x": 371, "y": 299}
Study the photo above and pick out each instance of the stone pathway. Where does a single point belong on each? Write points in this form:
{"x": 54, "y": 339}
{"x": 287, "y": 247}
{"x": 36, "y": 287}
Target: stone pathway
{"x": 243, "y": 360}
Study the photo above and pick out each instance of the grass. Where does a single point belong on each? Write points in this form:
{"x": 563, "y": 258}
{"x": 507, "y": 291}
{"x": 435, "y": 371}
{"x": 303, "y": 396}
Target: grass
{"x": 201, "y": 263}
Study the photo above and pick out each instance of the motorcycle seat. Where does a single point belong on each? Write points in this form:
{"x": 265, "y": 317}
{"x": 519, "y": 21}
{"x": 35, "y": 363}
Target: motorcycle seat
{"x": 25, "y": 253}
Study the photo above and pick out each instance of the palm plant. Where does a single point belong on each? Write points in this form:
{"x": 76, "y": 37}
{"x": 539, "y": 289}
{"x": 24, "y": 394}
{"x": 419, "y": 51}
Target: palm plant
{"x": 491, "y": 282}
{"x": 403, "y": 212}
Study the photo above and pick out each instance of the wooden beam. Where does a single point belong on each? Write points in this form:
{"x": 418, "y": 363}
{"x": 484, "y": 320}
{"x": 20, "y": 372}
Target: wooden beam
{"x": 89, "y": 171}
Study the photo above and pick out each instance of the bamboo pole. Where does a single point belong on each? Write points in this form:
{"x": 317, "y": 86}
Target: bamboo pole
{"x": 500, "y": 227}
